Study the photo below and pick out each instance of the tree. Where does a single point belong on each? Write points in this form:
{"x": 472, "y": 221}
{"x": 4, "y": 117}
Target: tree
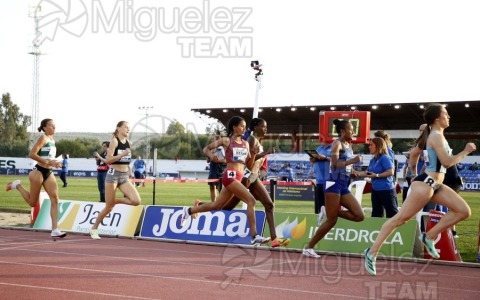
{"x": 13, "y": 129}
{"x": 175, "y": 128}
{"x": 79, "y": 147}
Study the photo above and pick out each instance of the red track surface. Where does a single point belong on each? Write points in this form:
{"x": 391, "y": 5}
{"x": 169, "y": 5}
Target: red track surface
{"x": 32, "y": 266}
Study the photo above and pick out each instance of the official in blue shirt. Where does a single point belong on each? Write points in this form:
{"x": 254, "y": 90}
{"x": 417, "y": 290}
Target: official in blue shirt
{"x": 321, "y": 168}
{"x": 64, "y": 172}
{"x": 380, "y": 170}
{"x": 139, "y": 169}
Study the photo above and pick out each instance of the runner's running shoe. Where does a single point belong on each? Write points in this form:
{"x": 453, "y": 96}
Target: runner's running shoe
{"x": 259, "y": 240}
{"x": 280, "y": 242}
{"x": 184, "y": 216}
{"x": 195, "y": 204}
{"x": 12, "y": 185}
{"x": 94, "y": 234}
{"x": 57, "y": 233}
{"x": 370, "y": 262}
{"x": 430, "y": 246}
{"x": 310, "y": 253}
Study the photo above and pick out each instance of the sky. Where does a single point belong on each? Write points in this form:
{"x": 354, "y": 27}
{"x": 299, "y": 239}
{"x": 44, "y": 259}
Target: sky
{"x": 103, "y": 62}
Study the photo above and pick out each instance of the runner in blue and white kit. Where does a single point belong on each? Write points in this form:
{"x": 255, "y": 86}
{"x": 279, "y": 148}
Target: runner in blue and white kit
{"x": 428, "y": 187}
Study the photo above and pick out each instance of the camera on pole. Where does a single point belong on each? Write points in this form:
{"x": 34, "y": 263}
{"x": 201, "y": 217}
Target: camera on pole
{"x": 257, "y": 67}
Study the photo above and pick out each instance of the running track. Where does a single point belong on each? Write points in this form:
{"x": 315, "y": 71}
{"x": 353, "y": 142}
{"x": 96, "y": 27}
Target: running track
{"x": 33, "y": 266}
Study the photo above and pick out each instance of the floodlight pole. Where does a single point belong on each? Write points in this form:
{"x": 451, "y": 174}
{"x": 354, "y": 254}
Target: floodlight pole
{"x": 147, "y": 145}
{"x": 258, "y": 78}
{"x": 35, "y": 13}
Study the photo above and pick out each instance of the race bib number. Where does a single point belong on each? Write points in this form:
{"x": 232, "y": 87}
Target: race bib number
{"x": 431, "y": 182}
{"x": 111, "y": 171}
{"x": 247, "y": 173}
{"x": 126, "y": 158}
{"x": 231, "y": 174}
{"x": 239, "y": 154}
{"x": 425, "y": 158}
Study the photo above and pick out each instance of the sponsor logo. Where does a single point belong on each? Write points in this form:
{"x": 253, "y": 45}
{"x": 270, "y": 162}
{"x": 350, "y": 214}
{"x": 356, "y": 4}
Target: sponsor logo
{"x": 471, "y": 186}
{"x": 216, "y": 226}
{"x": 7, "y": 164}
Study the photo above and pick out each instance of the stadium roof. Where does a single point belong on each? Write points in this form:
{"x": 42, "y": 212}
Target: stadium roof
{"x": 464, "y": 117}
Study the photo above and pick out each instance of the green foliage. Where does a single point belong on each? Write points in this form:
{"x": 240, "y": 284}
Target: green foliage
{"x": 184, "y": 145}
{"x": 78, "y": 148}
{"x": 14, "y": 138}
{"x": 175, "y": 128}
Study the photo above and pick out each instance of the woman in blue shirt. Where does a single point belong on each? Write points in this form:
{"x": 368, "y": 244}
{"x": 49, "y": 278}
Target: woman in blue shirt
{"x": 380, "y": 170}
{"x": 321, "y": 167}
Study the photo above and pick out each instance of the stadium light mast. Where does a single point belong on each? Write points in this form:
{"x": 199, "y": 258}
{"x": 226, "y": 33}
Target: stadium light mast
{"x": 35, "y": 13}
{"x": 255, "y": 65}
{"x": 147, "y": 146}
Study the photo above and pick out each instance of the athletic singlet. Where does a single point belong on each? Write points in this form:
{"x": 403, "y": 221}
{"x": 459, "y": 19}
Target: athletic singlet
{"x": 236, "y": 153}
{"x": 125, "y": 160}
{"x": 258, "y": 162}
{"x": 432, "y": 162}
{"x": 344, "y": 155}
{"x": 48, "y": 151}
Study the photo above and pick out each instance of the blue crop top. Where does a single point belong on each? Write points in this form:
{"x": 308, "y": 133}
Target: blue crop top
{"x": 344, "y": 155}
{"x": 432, "y": 162}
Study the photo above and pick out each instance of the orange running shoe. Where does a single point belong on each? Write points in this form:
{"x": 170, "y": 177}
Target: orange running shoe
{"x": 12, "y": 185}
{"x": 280, "y": 242}
{"x": 195, "y": 204}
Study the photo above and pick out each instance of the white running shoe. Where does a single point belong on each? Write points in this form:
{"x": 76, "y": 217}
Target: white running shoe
{"x": 310, "y": 253}
{"x": 12, "y": 185}
{"x": 321, "y": 215}
{"x": 259, "y": 240}
{"x": 57, "y": 233}
{"x": 94, "y": 234}
{"x": 184, "y": 216}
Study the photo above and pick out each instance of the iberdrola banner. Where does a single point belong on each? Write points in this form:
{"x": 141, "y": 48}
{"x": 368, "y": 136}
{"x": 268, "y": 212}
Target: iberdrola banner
{"x": 345, "y": 236}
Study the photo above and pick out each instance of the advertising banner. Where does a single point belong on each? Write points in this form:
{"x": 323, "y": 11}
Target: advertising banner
{"x": 79, "y": 216}
{"x": 222, "y": 226}
{"x": 294, "y": 192}
{"x": 345, "y": 236}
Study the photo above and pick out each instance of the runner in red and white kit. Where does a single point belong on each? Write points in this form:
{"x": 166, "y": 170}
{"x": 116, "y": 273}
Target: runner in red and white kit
{"x": 237, "y": 152}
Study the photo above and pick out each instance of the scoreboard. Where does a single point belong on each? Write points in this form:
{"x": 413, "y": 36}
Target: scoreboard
{"x": 360, "y": 121}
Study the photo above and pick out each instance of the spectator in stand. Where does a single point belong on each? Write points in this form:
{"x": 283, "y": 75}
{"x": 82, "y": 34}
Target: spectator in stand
{"x": 102, "y": 169}
{"x": 139, "y": 169}
{"x": 64, "y": 172}
{"x": 289, "y": 170}
{"x": 380, "y": 170}
{"x": 474, "y": 167}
